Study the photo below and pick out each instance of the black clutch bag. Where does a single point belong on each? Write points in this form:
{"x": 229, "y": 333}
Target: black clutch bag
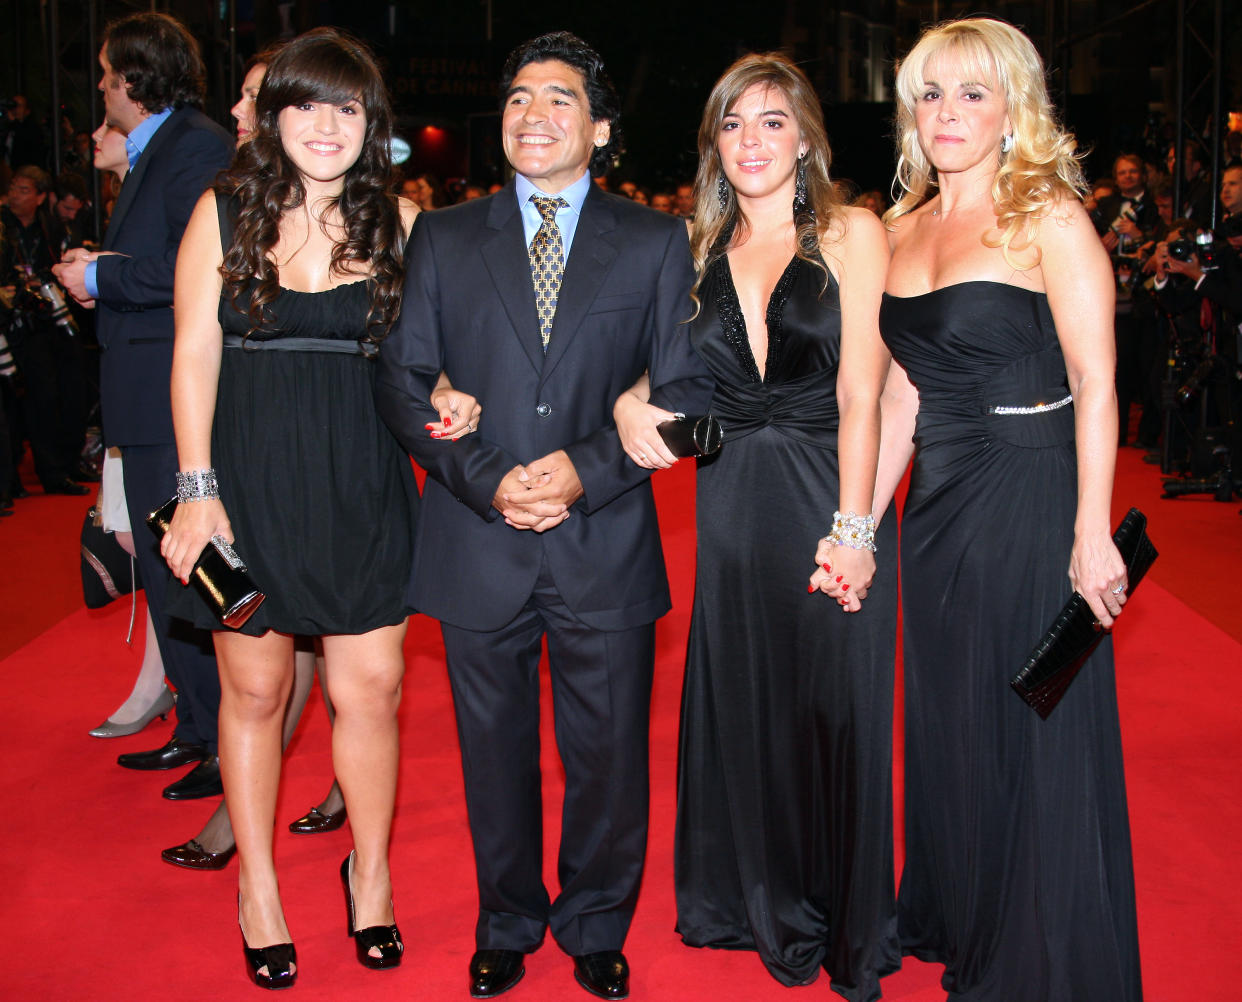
{"x": 108, "y": 572}
{"x": 1075, "y": 632}
{"x": 693, "y": 435}
{"x": 219, "y": 576}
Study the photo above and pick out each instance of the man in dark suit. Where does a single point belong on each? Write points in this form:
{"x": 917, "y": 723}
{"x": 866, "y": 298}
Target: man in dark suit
{"x": 152, "y": 79}
{"x": 538, "y": 524}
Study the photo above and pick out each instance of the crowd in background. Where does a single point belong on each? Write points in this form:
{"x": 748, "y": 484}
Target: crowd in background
{"x": 1174, "y": 336}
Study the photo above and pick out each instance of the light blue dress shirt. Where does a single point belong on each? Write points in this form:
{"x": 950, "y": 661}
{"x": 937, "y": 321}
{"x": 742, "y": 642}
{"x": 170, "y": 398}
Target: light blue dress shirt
{"x": 566, "y": 218}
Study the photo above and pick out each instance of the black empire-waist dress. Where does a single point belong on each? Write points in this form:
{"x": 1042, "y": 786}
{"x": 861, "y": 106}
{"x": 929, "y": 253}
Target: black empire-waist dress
{"x": 321, "y": 497}
{"x": 1018, "y": 874}
{"x": 784, "y": 819}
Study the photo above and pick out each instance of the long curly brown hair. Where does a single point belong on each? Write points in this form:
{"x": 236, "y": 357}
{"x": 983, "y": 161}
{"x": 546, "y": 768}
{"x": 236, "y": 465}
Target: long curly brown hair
{"x": 326, "y": 66}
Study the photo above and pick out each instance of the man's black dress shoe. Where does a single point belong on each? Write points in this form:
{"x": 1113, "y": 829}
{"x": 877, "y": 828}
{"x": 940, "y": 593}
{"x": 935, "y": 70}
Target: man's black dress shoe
{"x": 66, "y": 486}
{"x": 193, "y": 856}
{"x": 605, "y": 974}
{"x": 315, "y": 822}
{"x": 493, "y": 972}
{"x": 201, "y": 781}
{"x": 173, "y": 755}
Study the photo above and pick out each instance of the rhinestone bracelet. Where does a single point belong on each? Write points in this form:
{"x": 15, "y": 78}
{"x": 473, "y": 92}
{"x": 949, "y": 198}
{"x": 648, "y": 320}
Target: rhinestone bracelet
{"x": 855, "y": 531}
{"x": 197, "y": 485}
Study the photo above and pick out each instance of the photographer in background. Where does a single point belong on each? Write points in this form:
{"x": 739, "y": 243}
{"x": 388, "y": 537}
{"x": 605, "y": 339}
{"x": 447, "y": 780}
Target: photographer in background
{"x": 42, "y": 335}
{"x": 1126, "y": 222}
{"x": 1214, "y": 274}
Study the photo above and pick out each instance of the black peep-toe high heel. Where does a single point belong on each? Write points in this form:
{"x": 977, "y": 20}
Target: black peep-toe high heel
{"x": 385, "y": 938}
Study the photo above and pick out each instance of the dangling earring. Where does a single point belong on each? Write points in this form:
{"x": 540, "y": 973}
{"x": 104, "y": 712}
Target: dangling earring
{"x": 1007, "y": 142}
{"x": 800, "y": 199}
{"x": 722, "y": 192}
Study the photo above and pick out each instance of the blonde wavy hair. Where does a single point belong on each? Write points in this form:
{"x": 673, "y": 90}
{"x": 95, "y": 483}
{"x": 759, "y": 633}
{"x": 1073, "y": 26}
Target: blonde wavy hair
{"x": 715, "y": 224}
{"x": 1041, "y": 168}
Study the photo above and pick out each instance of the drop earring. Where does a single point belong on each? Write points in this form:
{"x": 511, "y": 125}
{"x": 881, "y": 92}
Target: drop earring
{"x": 800, "y": 199}
{"x": 1007, "y": 142}
{"x": 722, "y": 192}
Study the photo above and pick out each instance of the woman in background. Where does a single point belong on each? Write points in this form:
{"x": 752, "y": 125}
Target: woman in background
{"x": 999, "y": 315}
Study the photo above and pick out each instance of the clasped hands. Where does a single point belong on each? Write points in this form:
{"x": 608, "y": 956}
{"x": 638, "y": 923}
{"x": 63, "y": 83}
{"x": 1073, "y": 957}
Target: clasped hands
{"x": 538, "y": 495}
{"x": 71, "y": 273}
{"x": 842, "y": 573}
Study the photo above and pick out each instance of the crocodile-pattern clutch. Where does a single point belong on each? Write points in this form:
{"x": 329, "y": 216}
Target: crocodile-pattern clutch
{"x": 1075, "y": 632}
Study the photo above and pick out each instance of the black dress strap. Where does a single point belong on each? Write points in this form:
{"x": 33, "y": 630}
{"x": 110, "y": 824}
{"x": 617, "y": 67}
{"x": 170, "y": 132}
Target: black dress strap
{"x": 226, "y": 212}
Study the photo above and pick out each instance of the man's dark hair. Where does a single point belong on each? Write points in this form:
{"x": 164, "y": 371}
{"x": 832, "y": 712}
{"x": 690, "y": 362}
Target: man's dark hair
{"x": 71, "y": 184}
{"x": 159, "y": 60}
{"x": 601, "y": 96}
{"x": 41, "y": 178}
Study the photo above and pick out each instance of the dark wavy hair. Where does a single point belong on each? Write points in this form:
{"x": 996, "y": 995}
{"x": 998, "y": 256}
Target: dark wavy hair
{"x": 602, "y": 97}
{"x": 158, "y": 59}
{"x": 322, "y": 66}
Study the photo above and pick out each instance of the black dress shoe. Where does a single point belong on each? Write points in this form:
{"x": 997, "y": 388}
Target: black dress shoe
{"x": 314, "y": 822}
{"x": 605, "y": 974}
{"x": 66, "y": 486}
{"x": 494, "y": 972}
{"x": 193, "y": 856}
{"x": 201, "y": 781}
{"x": 172, "y": 756}
{"x": 19, "y": 492}
{"x": 280, "y": 960}
{"x": 87, "y": 474}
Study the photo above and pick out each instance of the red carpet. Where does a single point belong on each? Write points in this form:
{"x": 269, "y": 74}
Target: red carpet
{"x": 91, "y": 912}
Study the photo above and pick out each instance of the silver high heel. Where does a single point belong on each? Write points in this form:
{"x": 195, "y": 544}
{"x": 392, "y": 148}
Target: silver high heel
{"x": 160, "y": 708}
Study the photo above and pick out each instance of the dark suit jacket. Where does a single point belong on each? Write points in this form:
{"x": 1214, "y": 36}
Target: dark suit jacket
{"x": 134, "y": 317}
{"x": 469, "y": 309}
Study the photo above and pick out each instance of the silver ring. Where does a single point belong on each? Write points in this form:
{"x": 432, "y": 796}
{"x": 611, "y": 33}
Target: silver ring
{"x": 1119, "y": 589}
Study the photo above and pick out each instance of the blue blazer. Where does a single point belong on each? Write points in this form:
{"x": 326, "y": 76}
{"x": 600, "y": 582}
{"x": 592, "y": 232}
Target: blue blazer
{"x": 469, "y": 309}
{"x": 134, "y": 317}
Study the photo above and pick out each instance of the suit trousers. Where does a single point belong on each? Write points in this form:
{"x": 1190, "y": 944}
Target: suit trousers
{"x": 601, "y": 691}
{"x": 188, "y": 653}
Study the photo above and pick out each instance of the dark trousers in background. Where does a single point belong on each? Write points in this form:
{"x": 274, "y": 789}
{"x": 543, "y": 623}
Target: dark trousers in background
{"x": 601, "y": 690}
{"x": 189, "y": 657}
{"x": 52, "y": 369}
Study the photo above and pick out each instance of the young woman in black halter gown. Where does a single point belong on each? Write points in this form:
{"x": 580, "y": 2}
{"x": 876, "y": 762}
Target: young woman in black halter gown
{"x": 288, "y": 278}
{"x": 998, "y": 313}
{"x": 784, "y": 815}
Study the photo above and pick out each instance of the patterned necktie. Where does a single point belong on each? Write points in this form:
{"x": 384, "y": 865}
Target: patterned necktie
{"x": 547, "y": 263}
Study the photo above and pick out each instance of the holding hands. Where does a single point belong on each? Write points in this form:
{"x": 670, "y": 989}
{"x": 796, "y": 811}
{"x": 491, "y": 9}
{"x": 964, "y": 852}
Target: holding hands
{"x": 845, "y": 561}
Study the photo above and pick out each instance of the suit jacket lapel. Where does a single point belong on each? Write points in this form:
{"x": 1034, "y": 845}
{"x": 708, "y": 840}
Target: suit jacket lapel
{"x": 133, "y": 179}
{"x": 504, "y": 253}
{"x": 590, "y": 259}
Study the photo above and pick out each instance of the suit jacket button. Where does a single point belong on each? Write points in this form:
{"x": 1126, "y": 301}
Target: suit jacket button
{"x": 543, "y": 410}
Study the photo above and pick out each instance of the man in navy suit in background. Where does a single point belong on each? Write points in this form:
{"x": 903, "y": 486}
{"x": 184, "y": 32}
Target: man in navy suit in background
{"x": 546, "y": 300}
{"x": 152, "y": 80}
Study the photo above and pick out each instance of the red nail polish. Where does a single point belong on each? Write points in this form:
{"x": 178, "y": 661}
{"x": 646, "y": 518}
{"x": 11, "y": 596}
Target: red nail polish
{"x": 435, "y": 434}
{"x": 827, "y": 568}
{"x": 447, "y": 422}
{"x": 810, "y": 588}
{"x": 845, "y": 587}
{"x": 839, "y": 577}
{"x": 429, "y": 426}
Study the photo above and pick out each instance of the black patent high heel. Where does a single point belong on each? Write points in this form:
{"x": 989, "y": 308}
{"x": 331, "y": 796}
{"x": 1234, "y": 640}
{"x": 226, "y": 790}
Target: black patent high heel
{"x": 385, "y": 938}
{"x": 280, "y": 961}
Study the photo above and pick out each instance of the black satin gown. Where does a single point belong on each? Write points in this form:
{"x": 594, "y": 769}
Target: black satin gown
{"x": 784, "y": 811}
{"x": 1018, "y": 873}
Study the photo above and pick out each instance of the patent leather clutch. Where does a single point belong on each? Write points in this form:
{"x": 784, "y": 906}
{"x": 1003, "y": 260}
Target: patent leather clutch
{"x": 219, "y": 576}
{"x": 692, "y": 435}
{"x": 1075, "y": 633}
